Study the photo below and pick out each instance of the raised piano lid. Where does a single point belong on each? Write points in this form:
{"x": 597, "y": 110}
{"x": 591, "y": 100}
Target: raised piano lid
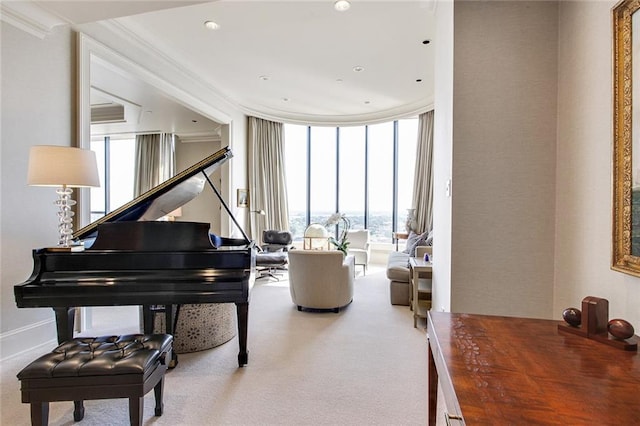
{"x": 164, "y": 198}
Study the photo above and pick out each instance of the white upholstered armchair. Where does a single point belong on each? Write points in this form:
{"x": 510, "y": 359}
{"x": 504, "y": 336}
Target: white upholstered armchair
{"x": 359, "y": 247}
{"x": 320, "y": 279}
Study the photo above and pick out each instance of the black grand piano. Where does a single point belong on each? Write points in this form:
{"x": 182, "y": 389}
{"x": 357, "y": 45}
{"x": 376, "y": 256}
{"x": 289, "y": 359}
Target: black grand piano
{"x": 132, "y": 259}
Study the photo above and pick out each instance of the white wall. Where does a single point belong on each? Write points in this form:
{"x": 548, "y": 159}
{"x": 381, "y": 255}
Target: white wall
{"x": 504, "y": 143}
{"x": 38, "y": 108}
{"x": 238, "y": 177}
{"x": 205, "y": 207}
{"x": 442, "y": 152}
{"x": 585, "y": 137}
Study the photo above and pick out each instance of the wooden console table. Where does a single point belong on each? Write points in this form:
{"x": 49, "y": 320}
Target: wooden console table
{"x": 516, "y": 371}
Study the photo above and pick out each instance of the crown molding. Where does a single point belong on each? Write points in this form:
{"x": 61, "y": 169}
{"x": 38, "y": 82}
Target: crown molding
{"x": 29, "y": 17}
{"x": 137, "y": 39}
{"x": 404, "y": 111}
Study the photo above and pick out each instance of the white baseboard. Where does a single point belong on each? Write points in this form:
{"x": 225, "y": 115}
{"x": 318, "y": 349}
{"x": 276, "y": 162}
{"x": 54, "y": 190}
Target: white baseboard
{"x": 24, "y": 339}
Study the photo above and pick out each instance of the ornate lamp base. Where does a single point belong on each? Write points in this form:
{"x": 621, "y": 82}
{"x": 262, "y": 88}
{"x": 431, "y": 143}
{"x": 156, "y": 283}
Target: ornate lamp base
{"x": 65, "y": 215}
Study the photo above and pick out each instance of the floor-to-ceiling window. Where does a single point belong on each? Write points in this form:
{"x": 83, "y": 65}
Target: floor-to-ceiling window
{"x": 352, "y": 169}
{"x": 296, "y": 148}
{"x": 115, "y": 159}
{"x": 322, "y": 172}
{"x": 364, "y": 172}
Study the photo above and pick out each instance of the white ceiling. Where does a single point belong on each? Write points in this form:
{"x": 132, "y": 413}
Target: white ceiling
{"x": 306, "y": 50}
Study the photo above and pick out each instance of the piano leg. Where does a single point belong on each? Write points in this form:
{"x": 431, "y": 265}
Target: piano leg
{"x": 147, "y": 319}
{"x": 148, "y": 314}
{"x": 242, "y": 310}
{"x": 169, "y": 327}
{"x": 65, "y": 318}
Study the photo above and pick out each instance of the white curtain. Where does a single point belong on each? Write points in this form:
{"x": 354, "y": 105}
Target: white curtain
{"x": 423, "y": 177}
{"x": 267, "y": 181}
{"x": 155, "y": 161}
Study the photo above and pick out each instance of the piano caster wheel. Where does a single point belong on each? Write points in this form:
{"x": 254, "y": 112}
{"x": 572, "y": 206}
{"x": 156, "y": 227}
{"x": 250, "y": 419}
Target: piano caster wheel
{"x": 174, "y": 360}
{"x": 243, "y": 359}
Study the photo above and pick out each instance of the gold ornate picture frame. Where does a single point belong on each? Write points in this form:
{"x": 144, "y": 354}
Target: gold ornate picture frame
{"x": 626, "y": 189}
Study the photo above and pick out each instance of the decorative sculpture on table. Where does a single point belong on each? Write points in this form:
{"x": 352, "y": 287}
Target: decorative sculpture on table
{"x": 593, "y": 323}
{"x": 620, "y": 328}
{"x": 411, "y": 224}
{"x": 572, "y": 316}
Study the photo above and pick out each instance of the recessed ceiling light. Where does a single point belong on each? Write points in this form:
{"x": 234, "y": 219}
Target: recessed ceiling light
{"x": 358, "y": 68}
{"x": 264, "y": 77}
{"x": 210, "y": 25}
{"x": 341, "y": 5}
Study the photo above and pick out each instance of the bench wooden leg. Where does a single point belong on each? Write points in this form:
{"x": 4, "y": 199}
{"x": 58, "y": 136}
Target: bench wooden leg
{"x": 136, "y": 408}
{"x": 78, "y": 410}
{"x": 39, "y": 413}
{"x": 158, "y": 391}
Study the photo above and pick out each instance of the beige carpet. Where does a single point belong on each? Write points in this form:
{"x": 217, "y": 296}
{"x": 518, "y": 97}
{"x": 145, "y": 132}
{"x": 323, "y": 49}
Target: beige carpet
{"x": 363, "y": 366}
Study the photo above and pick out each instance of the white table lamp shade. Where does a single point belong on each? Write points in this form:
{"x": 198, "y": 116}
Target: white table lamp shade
{"x": 316, "y": 231}
{"x": 62, "y": 166}
{"x": 315, "y": 237}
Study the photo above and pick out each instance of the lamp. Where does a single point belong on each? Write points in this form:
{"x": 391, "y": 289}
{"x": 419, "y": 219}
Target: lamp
{"x": 64, "y": 167}
{"x": 315, "y": 237}
{"x": 341, "y": 5}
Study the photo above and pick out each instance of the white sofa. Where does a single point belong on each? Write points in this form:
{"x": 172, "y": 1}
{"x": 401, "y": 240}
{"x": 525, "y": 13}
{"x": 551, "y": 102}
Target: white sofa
{"x": 321, "y": 279}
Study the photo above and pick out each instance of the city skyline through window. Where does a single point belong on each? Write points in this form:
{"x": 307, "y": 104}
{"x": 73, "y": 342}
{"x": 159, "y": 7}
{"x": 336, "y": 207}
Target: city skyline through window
{"x": 363, "y": 172}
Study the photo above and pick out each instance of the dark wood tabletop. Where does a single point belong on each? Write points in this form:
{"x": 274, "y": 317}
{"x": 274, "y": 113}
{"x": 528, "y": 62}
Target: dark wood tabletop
{"x": 517, "y": 371}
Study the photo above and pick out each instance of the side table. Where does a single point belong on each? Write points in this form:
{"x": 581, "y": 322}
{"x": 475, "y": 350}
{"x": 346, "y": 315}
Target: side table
{"x": 397, "y": 236}
{"x": 420, "y": 273}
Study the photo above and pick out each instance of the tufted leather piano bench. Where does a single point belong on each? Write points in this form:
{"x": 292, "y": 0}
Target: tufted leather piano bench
{"x": 98, "y": 368}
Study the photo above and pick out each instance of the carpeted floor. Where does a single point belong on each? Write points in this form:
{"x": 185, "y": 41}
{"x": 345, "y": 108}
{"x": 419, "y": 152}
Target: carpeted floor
{"x": 363, "y": 366}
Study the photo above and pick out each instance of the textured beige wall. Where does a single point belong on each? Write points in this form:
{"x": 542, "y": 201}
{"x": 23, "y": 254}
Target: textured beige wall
{"x": 504, "y": 146}
{"x": 584, "y": 194}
